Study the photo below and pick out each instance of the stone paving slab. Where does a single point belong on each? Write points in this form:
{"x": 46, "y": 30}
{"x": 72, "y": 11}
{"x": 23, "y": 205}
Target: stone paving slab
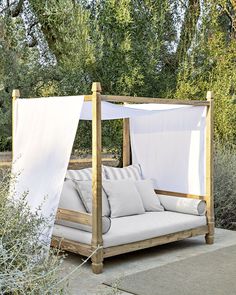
{"x": 84, "y": 282}
{"x": 211, "y": 273}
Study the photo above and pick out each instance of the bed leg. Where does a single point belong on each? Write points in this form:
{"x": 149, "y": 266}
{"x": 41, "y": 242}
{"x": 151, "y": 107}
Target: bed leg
{"x": 97, "y": 262}
{"x": 209, "y": 237}
{"x": 97, "y": 268}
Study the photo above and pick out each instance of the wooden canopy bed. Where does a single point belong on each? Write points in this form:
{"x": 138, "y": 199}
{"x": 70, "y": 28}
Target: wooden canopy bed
{"x": 95, "y": 218}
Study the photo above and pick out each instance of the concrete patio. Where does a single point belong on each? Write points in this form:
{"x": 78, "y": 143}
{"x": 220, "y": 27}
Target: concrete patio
{"x": 83, "y": 281}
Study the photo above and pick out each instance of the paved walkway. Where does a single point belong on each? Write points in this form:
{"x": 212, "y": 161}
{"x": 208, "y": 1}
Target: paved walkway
{"x": 85, "y": 282}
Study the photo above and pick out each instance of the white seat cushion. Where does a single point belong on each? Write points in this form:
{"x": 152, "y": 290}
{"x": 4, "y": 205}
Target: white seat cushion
{"x": 135, "y": 228}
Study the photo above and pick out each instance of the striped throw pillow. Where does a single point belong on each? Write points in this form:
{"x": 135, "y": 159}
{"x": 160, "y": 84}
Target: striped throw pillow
{"x": 82, "y": 174}
{"x": 130, "y": 172}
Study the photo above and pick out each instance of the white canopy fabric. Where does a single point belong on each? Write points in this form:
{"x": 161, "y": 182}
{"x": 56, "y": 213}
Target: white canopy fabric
{"x": 166, "y": 140}
{"x": 110, "y": 111}
{"x": 169, "y": 146}
{"x": 44, "y": 133}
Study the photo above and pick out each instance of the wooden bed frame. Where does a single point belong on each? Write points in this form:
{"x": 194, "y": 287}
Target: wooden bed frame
{"x": 95, "y": 219}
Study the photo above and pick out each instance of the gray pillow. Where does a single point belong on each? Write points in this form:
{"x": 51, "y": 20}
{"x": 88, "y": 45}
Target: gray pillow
{"x": 123, "y": 197}
{"x": 69, "y": 198}
{"x": 106, "y": 225}
{"x": 84, "y": 188}
{"x": 150, "y": 199}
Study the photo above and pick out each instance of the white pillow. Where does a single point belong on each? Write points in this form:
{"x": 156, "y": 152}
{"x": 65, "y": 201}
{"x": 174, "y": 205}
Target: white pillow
{"x": 123, "y": 197}
{"x": 183, "y": 205}
{"x": 84, "y": 188}
{"x": 150, "y": 199}
{"x": 130, "y": 172}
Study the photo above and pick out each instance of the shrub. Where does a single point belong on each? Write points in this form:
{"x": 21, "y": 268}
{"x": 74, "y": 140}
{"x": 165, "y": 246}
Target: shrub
{"x": 23, "y": 267}
{"x": 225, "y": 187}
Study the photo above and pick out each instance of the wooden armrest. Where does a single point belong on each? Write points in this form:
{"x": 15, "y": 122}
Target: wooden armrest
{"x": 176, "y": 194}
{"x": 74, "y": 216}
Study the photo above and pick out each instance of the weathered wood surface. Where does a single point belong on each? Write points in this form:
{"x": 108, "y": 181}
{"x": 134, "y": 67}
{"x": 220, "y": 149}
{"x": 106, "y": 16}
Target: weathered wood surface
{"x": 85, "y": 249}
{"x": 177, "y": 194}
{"x": 71, "y": 246}
{"x": 209, "y": 170}
{"x": 97, "y": 241}
{"x": 136, "y": 99}
{"x": 116, "y": 250}
{"x": 74, "y": 216}
{"x": 126, "y": 143}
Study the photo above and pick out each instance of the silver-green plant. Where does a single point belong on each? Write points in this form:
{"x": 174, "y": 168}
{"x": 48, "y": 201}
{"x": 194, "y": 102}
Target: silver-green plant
{"x": 22, "y": 268}
{"x": 225, "y": 187}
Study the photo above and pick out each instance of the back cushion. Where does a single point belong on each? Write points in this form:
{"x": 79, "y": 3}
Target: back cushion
{"x": 84, "y": 188}
{"x": 70, "y": 198}
{"x": 130, "y": 172}
{"x": 82, "y": 174}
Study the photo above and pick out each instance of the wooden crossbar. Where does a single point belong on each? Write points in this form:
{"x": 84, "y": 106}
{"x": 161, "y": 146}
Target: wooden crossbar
{"x": 177, "y": 194}
{"x": 74, "y": 216}
{"x": 136, "y": 99}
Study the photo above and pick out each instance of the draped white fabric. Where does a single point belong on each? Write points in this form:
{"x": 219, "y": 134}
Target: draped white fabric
{"x": 169, "y": 146}
{"x": 111, "y": 111}
{"x": 44, "y": 133}
{"x": 167, "y": 141}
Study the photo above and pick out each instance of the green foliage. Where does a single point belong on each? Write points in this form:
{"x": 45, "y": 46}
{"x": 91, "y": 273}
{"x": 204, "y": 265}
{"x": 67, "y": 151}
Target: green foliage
{"x": 225, "y": 187}
{"x": 210, "y": 66}
{"x": 132, "y": 47}
{"x": 23, "y": 270}
{"x": 130, "y": 39}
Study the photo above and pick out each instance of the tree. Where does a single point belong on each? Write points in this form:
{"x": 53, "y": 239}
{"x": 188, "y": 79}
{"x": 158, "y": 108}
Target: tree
{"x": 210, "y": 64}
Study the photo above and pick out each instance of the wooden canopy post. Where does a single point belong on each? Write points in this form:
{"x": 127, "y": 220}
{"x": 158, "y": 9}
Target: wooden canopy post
{"x": 15, "y": 95}
{"x": 209, "y": 170}
{"x": 126, "y": 142}
{"x": 97, "y": 241}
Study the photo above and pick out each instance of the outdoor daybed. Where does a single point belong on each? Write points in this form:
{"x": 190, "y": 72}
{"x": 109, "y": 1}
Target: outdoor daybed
{"x": 165, "y": 194}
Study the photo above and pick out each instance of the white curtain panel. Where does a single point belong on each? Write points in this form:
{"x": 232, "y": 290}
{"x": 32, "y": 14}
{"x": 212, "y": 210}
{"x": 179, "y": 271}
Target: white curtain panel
{"x": 169, "y": 146}
{"x": 44, "y": 133}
